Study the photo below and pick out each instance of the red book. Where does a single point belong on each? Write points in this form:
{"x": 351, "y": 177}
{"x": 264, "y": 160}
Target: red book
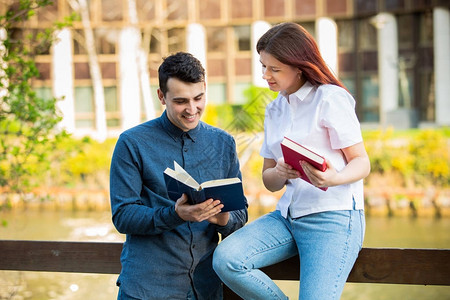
{"x": 294, "y": 153}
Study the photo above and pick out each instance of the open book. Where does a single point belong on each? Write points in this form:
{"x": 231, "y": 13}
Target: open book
{"x": 293, "y": 153}
{"x": 229, "y": 190}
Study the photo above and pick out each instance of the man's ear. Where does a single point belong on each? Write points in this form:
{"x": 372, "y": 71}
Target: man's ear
{"x": 161, "y": 97}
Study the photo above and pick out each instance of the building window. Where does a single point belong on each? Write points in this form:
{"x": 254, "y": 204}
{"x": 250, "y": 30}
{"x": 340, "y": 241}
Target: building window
{"x": 427, "y": 104}
{"x": 108, "y": 70}
{"x": 274, "y": 8}
{"x": 84, "y": 108}
{"x": 82, "y": 70}
{"x": 78, "y": 42}
{"x": 112, "y": 10}
{"x": 177, "y": 10}
{"x": 242, "y": 37}
{"x": 209, "y": 9}
{"x": 112, "y": 107}
{"x": 216, "y": 93}
{"x": 44, "y": 92}
{"x": 216, "y": 67}
{"x": 44, "y": 71}
{"x": 346, "y": 35}
{"x": 305, "y": 7}
{"x": 310, "y": 27}
{"x": 367, "y": 84}
{"x": 145, "y": 10}
{"x": 243, "y": 66}
{"x": 346, "y": 55}
{"x": 239, "y": 95}
{"x": 370, "y": 98}
{"x": 106, "y": 40}
{"x": 176, "y": 39}
{"x": 216, "y": 39}
{"x": 425, "y": 68}
{"x": 155, "y": 40}
{"x": 334, "y": 7}
{"x": 405, "y": 25}
{"x": 406, "y": 59}
{"x": 367, "y": 35}
{"x": 241, "y": 9}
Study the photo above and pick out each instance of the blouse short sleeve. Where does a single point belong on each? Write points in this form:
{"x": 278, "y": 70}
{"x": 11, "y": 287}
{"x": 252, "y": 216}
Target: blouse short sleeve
{"x": 339, "y": 117}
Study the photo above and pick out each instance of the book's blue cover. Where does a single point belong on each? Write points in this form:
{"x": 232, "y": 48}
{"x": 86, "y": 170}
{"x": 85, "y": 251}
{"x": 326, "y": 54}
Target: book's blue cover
{"x": 230, "y": 195}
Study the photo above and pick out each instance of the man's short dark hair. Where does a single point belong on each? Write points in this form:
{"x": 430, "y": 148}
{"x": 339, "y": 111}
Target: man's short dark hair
{"x": 183, "y": 66}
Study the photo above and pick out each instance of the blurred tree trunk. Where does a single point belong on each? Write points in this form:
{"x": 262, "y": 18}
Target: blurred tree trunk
{"x": 142, "y": 62}
{"x": 81, "y": 7}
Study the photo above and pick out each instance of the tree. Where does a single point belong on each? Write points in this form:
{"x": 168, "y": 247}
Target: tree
{"x": 81, "y": 6}
{"x": 141, "y": 53}
{"x": 28, "y": 123}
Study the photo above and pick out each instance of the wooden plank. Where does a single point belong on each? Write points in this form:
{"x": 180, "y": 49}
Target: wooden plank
{"x": 402, "y": 266}
{"x": 374, "y": 265}
{"x": 384, "y": 265}
{"x": 55, "y": 256}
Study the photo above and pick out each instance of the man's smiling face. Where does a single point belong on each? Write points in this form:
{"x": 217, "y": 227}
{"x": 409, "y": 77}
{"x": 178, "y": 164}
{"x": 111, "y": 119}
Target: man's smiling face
{"x": 185, "y": 102}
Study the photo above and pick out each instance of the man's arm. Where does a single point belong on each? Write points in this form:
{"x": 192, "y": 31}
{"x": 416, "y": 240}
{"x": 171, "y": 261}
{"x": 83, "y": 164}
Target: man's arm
{"x": 129, "y": 214}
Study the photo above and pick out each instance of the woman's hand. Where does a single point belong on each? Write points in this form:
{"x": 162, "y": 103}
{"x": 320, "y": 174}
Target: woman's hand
{"x": 319, "y": 178}
{"x": 285, "y": 171}
{"x": 357, "y": 168}
{"x": 276, "y": 173}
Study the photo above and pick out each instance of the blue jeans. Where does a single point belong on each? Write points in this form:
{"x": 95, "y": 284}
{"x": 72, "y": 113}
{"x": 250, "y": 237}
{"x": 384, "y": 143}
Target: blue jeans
{"x": 328, "y": 244}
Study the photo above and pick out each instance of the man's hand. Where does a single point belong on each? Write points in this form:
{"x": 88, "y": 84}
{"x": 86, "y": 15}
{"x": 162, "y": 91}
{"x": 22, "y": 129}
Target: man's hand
{"x": 199, "y": 212}
{"x": 220, "y": 219}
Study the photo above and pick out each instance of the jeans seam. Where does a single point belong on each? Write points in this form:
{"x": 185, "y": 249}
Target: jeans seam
{"x": 265, "y": 285}
{"x": 344, "y": 255}
{"x": 269, "y": 247}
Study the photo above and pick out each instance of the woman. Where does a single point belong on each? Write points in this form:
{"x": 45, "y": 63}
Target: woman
{"x": 325, "y": 228}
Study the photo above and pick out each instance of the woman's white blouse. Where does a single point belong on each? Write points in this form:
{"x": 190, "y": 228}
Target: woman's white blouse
{"x": 322, "y": 119}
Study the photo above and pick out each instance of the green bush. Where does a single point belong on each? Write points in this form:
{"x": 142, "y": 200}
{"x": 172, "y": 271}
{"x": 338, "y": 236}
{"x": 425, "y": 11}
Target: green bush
{"x": 418, "y": 157}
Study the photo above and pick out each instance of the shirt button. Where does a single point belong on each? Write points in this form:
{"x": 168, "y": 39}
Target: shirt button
{"x": 185, "y": 150}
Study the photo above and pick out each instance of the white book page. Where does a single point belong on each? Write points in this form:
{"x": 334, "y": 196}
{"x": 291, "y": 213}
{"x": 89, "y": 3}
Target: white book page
{"x": 181, "y": 175}
{"x": 303, "y": 151}
{"x": 219, "y": 182}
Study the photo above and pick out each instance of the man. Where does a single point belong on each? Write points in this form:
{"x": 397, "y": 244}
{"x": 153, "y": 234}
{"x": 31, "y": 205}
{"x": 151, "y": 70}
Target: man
{"x": 169, "y": 245}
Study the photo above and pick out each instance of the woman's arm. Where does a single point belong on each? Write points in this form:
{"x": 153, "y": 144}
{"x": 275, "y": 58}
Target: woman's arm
{"x": 276, "y": 173}
{"x": 358, "y": 167}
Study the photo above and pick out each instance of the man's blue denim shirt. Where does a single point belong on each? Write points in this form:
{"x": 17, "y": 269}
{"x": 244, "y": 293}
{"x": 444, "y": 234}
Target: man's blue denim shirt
{"x": 163, "y": 256}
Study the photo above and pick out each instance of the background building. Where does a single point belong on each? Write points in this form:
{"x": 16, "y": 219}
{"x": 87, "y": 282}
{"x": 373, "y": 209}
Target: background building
{"x": 393, "y": 55}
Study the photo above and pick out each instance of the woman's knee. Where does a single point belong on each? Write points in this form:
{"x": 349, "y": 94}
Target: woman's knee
{"x": 223, "y": 258}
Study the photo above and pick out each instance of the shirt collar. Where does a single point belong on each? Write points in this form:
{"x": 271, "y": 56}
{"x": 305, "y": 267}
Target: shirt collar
{"x": 175, "y": 132}
{"x": 302, "y": 92}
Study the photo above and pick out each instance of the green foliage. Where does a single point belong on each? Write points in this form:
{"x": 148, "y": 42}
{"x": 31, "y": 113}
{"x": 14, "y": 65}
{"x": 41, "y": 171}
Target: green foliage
{"x": 27, "y": 122}
{"x": 82, "y": 163}
{"x": 419, "y": 157}
{"x": 431, "y": 149}
{"x": 247, "y": 117}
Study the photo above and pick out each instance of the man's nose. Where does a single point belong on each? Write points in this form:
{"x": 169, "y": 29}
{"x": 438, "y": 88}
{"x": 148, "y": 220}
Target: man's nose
{"x": 192, "y": 108}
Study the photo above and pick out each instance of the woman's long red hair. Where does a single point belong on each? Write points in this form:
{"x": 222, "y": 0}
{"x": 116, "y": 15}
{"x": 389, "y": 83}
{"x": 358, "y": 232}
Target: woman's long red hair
{"x": 292, "y": 45}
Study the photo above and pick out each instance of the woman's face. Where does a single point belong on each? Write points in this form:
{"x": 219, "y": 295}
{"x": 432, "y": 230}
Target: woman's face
{"x": 280, "y": 77}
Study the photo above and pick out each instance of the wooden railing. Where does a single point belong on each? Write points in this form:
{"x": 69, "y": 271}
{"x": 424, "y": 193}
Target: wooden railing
{"x": 374, "y": 265}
